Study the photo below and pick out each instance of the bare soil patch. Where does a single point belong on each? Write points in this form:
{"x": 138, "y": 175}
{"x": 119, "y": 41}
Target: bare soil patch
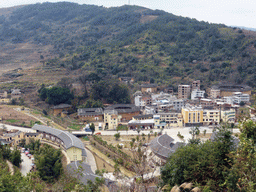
{"x": 13, "y": 117}
{"x": 101, "y": 164}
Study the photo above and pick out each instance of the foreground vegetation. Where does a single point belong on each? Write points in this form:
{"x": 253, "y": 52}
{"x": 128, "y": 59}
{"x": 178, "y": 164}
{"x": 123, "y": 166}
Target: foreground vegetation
{"x": 218, "y": 165}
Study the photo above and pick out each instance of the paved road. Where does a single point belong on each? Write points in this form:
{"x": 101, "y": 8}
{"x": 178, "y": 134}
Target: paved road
{"x": 91, "y": 160}
{"x": 25, "y": 165}
{"x": 10, "y": 127}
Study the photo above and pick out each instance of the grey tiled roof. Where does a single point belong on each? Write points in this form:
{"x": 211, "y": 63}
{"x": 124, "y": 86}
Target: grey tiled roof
{"x": 62, "y": 106}
{"x": 90, "y": 111}
{"x": 81, "y": 171}
{"x": 12, "y": 134}
{"x": 124, "y": 108}
{"x": 164, "y": 146}
{"x": 68, "y": 139}
{"x": 149, "y": 85}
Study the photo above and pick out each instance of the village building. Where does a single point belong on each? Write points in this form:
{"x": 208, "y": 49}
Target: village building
{"x": 111, "y": 119}
{"x": 15, "y": 94}
{"x": 90, "y": 114}
{"x": 228, "y": 116}
{"x": 142, "y": 101}
{"x": 59, "y": 109}
{"x": 230, "y": 89}
{"x": 195, "y": 85}
{"x": 162, "y": 147}
{"x": 192, "y": 115}
{"x": 141, "y": 124}
{"x": 207, "y": 103}
{"x": 149, "y": 88}
{"x": 184, "y": 91}
{"x": 127, "y": 111}
{"x": 169, "y": 119}
{"x": 126, "y": 80}
{"x": 71, "y": 146}
{"x": 197, "y": 94}
{"x": 15, "y": 138}
{"x": 3, "y": 94}
{"x": 142, "y": 117}
{"x": 211, "y": 117}
{"x": 214, "y": 92}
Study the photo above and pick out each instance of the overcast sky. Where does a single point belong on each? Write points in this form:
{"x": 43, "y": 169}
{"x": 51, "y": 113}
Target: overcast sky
{"x": 229, "y": 12}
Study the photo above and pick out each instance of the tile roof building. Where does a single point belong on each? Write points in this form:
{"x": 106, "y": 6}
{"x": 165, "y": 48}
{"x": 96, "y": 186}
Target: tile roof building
{"x": 63, "y": 139}
{"x": 163, "y": 146}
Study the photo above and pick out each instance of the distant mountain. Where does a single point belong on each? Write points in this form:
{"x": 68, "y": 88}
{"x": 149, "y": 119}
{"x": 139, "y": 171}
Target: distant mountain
{"x": 131, "y": 41}
{"x": 246, "y": 28}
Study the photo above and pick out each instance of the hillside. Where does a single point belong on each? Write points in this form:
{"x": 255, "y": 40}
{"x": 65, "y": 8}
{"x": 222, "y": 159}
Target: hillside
{"x": 125, "y": 41}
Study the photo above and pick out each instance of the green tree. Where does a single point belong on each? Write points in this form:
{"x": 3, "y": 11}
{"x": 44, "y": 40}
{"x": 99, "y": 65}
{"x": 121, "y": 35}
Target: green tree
{"x": 117, "y": 136}
{"x": 15, "y": 157}
{"x": 204, "y": 163}
{"x": 242, "y": 175}
{"x": 92, "y": 127}
{"x": 58, "y": 95}
{"x": 48, "y": 163}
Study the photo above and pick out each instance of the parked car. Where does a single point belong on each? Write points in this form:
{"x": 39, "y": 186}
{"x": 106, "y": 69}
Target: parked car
{"x": 98, "y": 133}
{"x": 87, "y": 130}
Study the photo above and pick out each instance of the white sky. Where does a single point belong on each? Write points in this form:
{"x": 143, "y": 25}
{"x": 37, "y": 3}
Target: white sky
{"x": 229, "y": 12}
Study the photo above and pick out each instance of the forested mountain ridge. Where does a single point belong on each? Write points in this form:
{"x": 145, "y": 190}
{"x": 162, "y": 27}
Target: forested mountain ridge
{"x": 134, "y": 41}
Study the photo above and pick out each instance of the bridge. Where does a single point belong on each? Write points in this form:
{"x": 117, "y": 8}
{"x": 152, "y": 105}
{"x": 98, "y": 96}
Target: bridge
{"x": 81, "y": 133}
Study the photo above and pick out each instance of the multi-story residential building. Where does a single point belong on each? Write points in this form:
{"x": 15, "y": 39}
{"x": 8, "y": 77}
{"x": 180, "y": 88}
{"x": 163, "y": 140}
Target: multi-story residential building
{"x": 142, "y": 101}
{"x": 197, "y": 94}
{"x": 207, "y": 103}
{"x": 150, "y": 110}
{"x": 192, "y": 115}
{"x": 196, "y": 85}
{"x": 178, "y": 104}
{"x": 228, "y": 100}
{"x": 111, "y": 119}
{"x": 228, "y": 116}
{"x": 184, "y": 91}
{"x": 170, "y": 119}
{"x": 211, "y": 117}
{"x": 214, "y": 92}
{"x": 239, "y": 97}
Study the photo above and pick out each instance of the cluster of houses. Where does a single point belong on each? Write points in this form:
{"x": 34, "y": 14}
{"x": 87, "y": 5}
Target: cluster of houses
{"x": 6, "y": 96}
{"x": 165, "y": 109}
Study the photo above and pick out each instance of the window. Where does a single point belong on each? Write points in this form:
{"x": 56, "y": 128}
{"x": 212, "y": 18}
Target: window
{"x": 74, "y": 150}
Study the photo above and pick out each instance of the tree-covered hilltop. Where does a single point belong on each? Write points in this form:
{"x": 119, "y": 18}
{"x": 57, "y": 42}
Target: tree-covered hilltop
{"x": 134, "y": 41}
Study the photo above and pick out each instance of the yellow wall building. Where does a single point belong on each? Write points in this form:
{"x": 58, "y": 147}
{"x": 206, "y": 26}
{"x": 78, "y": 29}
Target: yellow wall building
{"x": 192, "y": 116}
{"x": 111, "y": 119}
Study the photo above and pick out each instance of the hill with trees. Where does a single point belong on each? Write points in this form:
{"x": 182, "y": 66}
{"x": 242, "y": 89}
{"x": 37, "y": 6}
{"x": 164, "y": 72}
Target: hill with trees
{"x": 132, "y": 41}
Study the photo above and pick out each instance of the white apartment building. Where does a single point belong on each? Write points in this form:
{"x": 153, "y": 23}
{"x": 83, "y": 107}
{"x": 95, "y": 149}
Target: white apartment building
{"x": 196, "y": 94}
{"x": 239, "y": 97}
